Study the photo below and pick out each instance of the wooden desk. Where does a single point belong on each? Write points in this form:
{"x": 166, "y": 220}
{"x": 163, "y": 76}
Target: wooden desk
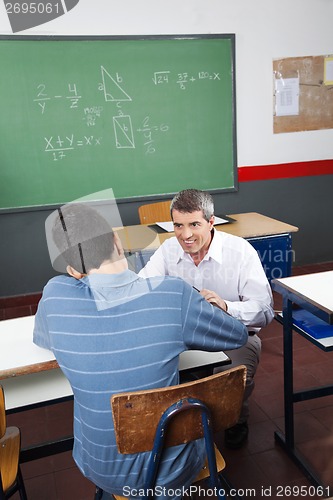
{"x": 248, "y": 225}
{"x": 270, "y": 237}
{"x": 312, "y": 292}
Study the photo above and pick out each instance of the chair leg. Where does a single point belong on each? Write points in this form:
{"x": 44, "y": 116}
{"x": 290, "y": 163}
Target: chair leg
{"x": 20, "y": 484}
{"x": 227, "y": 486}
{"x": 214, "y": 478}
{"x": 98, "y": 493}
{"x": 2, "y": 493}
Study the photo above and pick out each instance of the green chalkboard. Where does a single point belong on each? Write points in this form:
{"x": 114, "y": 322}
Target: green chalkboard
{"x": 145, "y": 116}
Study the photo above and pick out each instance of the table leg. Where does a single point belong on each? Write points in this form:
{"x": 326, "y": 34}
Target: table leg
{"x": 287, "y": 441}
{"x": 288, "y": 373}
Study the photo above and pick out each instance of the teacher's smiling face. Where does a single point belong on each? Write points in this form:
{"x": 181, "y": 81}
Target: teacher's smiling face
{"x": 193, "y": 233}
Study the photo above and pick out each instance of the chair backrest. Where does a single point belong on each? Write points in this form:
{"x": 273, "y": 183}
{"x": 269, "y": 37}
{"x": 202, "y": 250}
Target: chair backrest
{"x": 10, "y": 445}
{"x": 2, "y": 413}
{"x": 222, "y": 394}
{"x": 155, "y": 212}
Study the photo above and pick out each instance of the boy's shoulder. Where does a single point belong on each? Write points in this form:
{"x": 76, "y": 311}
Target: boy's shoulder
{"x": 59, "y": 283}
{"x": 166, "y": 282}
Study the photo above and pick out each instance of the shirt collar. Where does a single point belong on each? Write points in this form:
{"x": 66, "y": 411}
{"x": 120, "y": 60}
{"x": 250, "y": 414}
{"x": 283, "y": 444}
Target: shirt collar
{"x": 110, "y": 280}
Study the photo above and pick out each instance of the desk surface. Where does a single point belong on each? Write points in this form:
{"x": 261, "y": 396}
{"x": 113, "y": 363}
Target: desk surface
{"x": 18, "y": 354}
{"x": 248, "y": 225}
{"x": 316, "y": 289}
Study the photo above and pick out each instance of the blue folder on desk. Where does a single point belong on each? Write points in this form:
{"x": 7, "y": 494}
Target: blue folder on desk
{"x": 311, "y": 324}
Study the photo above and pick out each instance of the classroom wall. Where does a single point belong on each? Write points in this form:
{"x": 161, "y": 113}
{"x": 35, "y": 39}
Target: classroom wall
{"x": 264, "y": 31}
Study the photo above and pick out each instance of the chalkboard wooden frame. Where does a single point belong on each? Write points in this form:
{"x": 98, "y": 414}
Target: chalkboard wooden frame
{"x": 27, "y": 164}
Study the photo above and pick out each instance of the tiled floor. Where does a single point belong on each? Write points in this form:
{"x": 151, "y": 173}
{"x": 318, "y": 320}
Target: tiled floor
{"x": 260, "y": 470}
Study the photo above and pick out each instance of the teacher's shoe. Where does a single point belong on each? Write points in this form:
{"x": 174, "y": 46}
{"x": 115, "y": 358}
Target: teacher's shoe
{"x": 236, "y": 436}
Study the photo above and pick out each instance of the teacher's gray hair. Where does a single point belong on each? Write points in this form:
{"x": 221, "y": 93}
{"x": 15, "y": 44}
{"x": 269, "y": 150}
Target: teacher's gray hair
{"x": 193, "y": 200}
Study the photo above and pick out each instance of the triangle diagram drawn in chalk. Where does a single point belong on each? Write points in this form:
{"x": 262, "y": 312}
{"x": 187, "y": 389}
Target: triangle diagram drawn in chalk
{"x": 112, "y": 89}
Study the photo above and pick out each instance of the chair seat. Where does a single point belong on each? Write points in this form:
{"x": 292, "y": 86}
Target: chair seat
{"x": 203, "y": 474}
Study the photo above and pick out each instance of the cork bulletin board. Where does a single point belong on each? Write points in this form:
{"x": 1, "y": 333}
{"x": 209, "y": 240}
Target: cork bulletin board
{"x": 303, "y": 93}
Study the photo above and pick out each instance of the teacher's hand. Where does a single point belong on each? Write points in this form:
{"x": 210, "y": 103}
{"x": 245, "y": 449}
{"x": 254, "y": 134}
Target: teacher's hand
{"x": 214, "y": 299}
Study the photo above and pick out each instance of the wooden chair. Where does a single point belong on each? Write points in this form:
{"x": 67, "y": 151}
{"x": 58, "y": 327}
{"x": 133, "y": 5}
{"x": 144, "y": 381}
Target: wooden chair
{"x": 155, "y": 212}
{"x": 177, "y": 415}
{"x": 11, "y": 479}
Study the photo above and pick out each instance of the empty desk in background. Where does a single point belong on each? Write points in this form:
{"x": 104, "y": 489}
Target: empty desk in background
{"x": 313, "y": 294}
{"x": 31, "y": 377}
{"x": 271, "y": 238}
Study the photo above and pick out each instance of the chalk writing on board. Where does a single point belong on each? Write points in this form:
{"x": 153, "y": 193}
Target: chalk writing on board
{"x": 203, "y": 75}
{"x": 91, "y": 113}
{"x": 147, "y": 130}
{"x": 111, "y": 87}
{"x": 42, "y": 97}
{"x": 163, "y": 77}
{"x": 123, "y": 132}
{"x": 59, "y": 145}
{"x": 184, "y": 78}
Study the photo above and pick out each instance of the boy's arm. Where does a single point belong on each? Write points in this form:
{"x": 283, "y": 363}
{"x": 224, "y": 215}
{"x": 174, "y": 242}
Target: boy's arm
{"x": 41, "y": 334}
{"x": 207, "y": 327}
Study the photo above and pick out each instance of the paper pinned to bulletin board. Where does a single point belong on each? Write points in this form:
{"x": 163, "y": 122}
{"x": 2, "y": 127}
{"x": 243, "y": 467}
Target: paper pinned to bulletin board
{"x": 328, "y": 71}
{"x": 303, "y": 93}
